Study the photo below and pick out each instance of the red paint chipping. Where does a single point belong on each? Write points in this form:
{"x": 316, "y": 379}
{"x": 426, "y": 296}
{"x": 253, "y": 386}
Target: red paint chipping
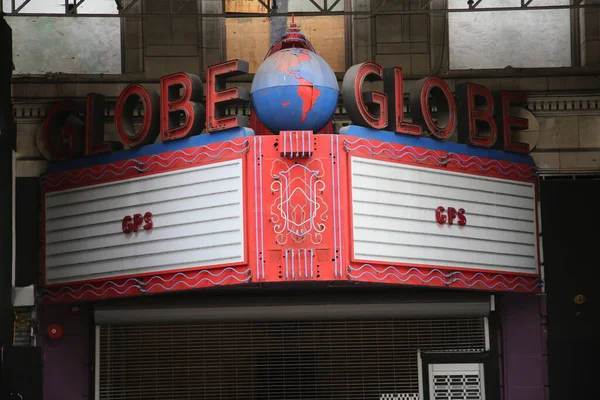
{"x": 309, "y": 94}
{"x": 285, "y": 103}
{"x": 286, "y": 62}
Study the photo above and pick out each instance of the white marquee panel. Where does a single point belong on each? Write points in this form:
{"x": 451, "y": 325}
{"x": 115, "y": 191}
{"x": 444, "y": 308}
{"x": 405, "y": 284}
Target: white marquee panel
{"x": 197, "y": 216}
{"x": 394, "y": 218}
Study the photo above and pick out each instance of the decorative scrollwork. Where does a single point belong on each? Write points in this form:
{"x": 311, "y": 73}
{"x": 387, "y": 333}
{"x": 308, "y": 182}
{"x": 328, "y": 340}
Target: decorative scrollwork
{"x": 299, "y": 210}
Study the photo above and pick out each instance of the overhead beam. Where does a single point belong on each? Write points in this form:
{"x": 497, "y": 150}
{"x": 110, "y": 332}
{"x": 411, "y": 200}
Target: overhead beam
{"x": 474, "y": 6}
{"x": 76, "y": 4}
{"x": 181, "y": 6}
{"x": 265, "y": 5}
{"x": 328, "y": 12}
{"x": 380, "y": 6}
{"x": 317, "y": 5}
{"x": 22, "y": 5}
{"x": 335, "y": 3}
{"x": 128, "y": 6}
{"x": 427, "y": 3}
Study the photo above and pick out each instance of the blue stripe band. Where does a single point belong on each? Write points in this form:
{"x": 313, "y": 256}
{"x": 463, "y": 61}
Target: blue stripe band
{"x": 157, "y": 148}
{"x": 237, "y": 133}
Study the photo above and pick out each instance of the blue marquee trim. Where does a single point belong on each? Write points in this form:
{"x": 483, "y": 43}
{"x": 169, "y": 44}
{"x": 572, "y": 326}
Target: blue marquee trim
{"x": 237, "y": 133}
{"x": 433, "y": 144}
{"x": 157, "y": 148}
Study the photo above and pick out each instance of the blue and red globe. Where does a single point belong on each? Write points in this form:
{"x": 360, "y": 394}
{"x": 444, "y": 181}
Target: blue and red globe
{"x": 294, "y": 89}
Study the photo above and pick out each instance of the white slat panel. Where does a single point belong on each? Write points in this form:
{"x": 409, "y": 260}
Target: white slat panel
{"x": 213, "y": 202}
{"x": 192, "y": 176}
{"x": 169, "y": 218}
{"x": 197, "y": 218}
{"x": 158, "y": 195}
{"x": 174, "y": 238}
{"x": 419, "y": 213}
{"x": 431, "y": 177}
{"x": 468, "y": 194}
{"x": 424, "y": 226}
{"x": 159, "y": 262}
{"x": 394, "y": 218}
{"x": 384, "y": 196}
{"x": 451, "y": 243}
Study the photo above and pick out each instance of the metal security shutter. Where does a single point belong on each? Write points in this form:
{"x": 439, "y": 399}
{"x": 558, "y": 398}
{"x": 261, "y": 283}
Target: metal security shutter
{"x": 274, "y": 360}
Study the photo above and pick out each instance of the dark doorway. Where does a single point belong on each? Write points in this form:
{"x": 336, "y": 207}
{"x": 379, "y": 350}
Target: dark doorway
{"x": 570, "y": 219}
{"x": 22, "y": 372}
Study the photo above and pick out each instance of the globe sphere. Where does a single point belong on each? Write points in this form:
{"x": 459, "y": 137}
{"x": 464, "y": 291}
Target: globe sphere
{"x": 294, "y": 89}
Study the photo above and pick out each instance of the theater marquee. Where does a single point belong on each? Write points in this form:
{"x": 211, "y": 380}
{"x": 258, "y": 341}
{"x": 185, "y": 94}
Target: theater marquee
{"x": 375, "y": 202}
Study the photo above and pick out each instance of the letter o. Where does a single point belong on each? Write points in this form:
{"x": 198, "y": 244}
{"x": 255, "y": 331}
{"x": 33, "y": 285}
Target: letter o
{"x": 124, "y": 116}
{"x": 430, "y": 91}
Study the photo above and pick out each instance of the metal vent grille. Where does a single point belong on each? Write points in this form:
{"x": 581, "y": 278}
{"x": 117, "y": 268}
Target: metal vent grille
{"x": 457, "y": 382}
{"x": 274, "y": 360}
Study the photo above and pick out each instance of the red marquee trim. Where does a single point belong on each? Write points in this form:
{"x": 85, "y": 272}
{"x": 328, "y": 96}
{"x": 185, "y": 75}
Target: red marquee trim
{"x": 441, "y": 159}
{"x": 136, "y": 166}
{"x": 436, "y": 277}
{"x": 153, "y": 284}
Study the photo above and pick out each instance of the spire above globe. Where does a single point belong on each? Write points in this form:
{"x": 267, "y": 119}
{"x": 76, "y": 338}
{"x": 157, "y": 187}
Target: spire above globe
{"x": 294, "y": 88}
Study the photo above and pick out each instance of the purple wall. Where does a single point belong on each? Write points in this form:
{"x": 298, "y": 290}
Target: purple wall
{"x": 66, "y": 364}
{"x": 523, "y": 359}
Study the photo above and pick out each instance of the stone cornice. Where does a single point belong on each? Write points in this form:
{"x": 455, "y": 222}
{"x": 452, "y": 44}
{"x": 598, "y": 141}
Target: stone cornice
{"x": 564, "y": 105}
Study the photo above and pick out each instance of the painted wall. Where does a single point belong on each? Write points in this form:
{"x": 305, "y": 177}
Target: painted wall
{"x": 44, "y": 45}
{"x": 66, "y": 360}
{"x": 523, "y": 348}
{"x": 509, "y": 38}
{"x": 69, "y": 45}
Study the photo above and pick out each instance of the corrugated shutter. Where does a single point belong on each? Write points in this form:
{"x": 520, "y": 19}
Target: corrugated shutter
{"x": 274, "y": 360}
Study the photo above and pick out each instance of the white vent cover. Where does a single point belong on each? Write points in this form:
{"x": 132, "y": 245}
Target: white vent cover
{"x": 456, "y": 382}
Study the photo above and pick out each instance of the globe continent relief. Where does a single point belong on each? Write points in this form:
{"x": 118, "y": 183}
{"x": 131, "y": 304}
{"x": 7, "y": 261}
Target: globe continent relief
{"x": 294, "y": 89}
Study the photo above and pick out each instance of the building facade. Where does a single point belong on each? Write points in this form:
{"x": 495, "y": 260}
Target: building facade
{"x": 308, "y": 278}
